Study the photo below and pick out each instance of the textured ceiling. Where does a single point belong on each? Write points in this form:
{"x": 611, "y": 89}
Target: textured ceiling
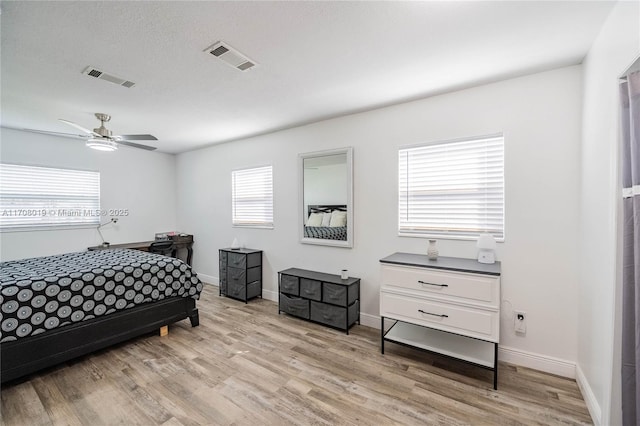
{"x": 315, "y": 59}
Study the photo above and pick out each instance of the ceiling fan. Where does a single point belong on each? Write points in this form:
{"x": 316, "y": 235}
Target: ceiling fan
{"x": 102, "y": 138}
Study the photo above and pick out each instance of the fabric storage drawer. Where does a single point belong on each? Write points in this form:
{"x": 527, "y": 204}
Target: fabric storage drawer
{"x": 254, "y": 290}
{"x": 294, "y": 306}
{"x": 236, "y": 276}
{"x": 237, "y": 260}
{"x": 289, "y": 284}
{"x": 340, "y": 294}
{"x": 254, "y": 274}
{"x": 334, "y": 316}
{"x": 336, "y": 294}
{"x": 311, "y": 289}
{"x": 254, "y": 259}
{"x": 236, "y": 290}
{"x": 473, "y": 287}
{"x": 223, "y": 257}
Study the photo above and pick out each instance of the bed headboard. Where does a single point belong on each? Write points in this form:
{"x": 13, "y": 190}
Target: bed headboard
{"x": 325, "y": 208}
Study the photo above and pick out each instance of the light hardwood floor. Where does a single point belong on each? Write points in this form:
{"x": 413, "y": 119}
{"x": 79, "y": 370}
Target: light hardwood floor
{"x": 247, "y": 365}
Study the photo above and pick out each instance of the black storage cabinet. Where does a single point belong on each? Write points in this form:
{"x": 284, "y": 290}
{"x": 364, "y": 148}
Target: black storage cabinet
{"x": 240, "y": 273}
{"x": 323, "y": 298}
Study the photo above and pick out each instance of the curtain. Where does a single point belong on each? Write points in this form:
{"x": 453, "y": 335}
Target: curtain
{"x": 630, "y": 96}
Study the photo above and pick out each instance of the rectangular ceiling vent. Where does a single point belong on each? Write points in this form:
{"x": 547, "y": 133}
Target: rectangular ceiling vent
{"x": 230, "y": 56}
{"x": 96, "y": 73}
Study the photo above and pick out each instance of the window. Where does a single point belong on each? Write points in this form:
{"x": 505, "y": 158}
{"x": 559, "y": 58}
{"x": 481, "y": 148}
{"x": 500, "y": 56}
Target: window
{"x": 452, "y": 189}
{"x": 40, "y": 197}
{"x": 252, "y": 197}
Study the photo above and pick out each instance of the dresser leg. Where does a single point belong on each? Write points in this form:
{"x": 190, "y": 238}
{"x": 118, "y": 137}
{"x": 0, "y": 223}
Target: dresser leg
{"x": 382, "y": 335}
{"x": 495, "y": 366}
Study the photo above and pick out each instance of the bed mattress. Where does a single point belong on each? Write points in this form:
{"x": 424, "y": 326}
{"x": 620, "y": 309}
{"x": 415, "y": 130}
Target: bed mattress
{"x": 326, "y": 232}
{"x": 44, "y": 293}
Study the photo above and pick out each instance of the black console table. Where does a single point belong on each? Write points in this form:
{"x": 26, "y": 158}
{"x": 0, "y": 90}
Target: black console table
{"x": 318, "y": 297}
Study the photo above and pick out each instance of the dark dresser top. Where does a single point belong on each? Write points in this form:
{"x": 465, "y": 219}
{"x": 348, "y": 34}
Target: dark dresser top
{"x": 446, "y": 263}
{"x": 319, "y": 276}
{"x": 242, "y": 250}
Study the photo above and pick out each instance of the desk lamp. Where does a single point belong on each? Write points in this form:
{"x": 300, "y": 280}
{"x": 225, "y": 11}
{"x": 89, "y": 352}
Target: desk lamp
{"x": 112, "y": 220}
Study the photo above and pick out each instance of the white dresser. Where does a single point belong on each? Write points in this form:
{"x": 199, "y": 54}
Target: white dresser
{"x": 449, "y": 306}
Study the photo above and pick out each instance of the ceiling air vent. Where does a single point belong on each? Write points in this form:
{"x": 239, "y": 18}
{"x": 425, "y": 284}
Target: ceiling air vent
{"x": 96, "y": 73}
{"x": 231, "y": 56}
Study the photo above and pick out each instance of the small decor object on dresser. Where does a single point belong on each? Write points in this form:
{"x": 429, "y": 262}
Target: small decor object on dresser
{"x": 240, "y": 273}
{"x": 432, "y": 250}
{"x": 449, "y": 306}
{"x": 323, "y": 298}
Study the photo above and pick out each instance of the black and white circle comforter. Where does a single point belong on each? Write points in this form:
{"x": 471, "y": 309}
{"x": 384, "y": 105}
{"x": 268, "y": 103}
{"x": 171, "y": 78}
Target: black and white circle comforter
{"x": 43, "y": 293}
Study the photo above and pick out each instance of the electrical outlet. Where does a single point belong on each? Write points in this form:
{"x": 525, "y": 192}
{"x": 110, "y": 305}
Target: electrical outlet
{"x": 520, "y": 322}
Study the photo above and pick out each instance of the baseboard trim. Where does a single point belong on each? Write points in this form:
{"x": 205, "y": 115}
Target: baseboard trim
{"x": 369, "y": 320}
{"x": 589, "y": 397}
{"x": 270, "y": 295}
{"x": 545, "y": 363}
{"x": 208, "y": 279}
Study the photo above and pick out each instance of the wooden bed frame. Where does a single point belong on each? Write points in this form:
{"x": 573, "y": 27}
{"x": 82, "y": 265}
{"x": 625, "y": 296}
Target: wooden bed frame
{"x": 30, "y": 354}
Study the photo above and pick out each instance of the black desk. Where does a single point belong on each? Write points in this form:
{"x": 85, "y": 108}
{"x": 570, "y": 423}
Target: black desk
{"x": 181, "y": 244}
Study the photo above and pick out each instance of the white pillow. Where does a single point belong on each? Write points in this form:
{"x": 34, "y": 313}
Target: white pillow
{"x": 315, "y": 219}
{"x": 338, "y": 218}
{"x": 326, "y": 219}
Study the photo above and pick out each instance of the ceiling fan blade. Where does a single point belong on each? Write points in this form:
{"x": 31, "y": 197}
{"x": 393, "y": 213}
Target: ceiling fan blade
{"x": 136, "y": 145}
{"x": 47, "y": 132}
{"x": 70, "y": 123}
{"x": 136, "y": 137}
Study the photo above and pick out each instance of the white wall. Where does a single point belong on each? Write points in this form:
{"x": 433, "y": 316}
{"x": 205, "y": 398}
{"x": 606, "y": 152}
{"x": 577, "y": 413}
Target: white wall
{"x": 540, "y": 117}
{"x": 142, "y": 182}
{"x": 325, "y": 185}
{"x": 616, "y": 47}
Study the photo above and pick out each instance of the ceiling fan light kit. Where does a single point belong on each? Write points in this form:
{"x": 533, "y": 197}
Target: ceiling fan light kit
{"x": 102, "y": 144}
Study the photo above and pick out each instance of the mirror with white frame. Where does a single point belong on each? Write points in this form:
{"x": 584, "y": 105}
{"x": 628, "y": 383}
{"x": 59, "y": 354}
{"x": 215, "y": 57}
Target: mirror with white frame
{"x": 326, "y": 197}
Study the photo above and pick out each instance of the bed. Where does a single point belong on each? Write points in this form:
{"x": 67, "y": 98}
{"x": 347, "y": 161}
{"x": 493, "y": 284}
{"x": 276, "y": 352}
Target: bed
{"x": 324, "y": 231}
{"x": 56, "y": 308}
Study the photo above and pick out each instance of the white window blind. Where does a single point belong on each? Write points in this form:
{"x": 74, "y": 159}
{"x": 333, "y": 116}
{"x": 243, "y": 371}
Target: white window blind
{"x": 252, "y": 197}
{"x": 40, "y": 197}
{"x": 453, "y": 189}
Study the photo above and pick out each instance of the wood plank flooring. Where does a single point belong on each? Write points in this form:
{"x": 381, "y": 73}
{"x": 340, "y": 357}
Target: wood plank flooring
{"x": 247, "y": 365}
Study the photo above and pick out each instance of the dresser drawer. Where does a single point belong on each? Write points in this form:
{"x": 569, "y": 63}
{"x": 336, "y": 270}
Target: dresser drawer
{"x": 254, "y": 289}
{"x": 254, "y": 274}
{"x": 236, "y": 290}
{"x": 236, "y": 276}
{"x": 289, "y": 284}
{"x": 334, "y": 316}
{"x": 467, "y": 321}
{"x": 294, "y": 306}
{"x": 311, "y": 289}
{"x": 237, "y": 260}
{"x": 472, "y": 287}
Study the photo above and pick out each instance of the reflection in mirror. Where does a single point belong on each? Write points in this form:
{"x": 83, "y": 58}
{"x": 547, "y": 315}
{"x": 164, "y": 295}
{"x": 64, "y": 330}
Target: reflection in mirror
{"x": 326, "y": 197}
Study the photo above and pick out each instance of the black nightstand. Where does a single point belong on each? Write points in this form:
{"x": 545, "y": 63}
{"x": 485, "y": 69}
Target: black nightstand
{"x": 240, "y": 273}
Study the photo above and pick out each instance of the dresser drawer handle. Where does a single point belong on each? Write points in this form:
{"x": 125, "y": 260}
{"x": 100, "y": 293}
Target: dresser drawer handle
{"x": 435, "y": 315}
{"x": 437, "y": 285}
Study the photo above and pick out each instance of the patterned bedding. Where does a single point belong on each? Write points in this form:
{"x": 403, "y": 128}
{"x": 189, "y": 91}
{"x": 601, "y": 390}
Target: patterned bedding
{"x": 326, "y": 232}
{"x": 43, "y": 293}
